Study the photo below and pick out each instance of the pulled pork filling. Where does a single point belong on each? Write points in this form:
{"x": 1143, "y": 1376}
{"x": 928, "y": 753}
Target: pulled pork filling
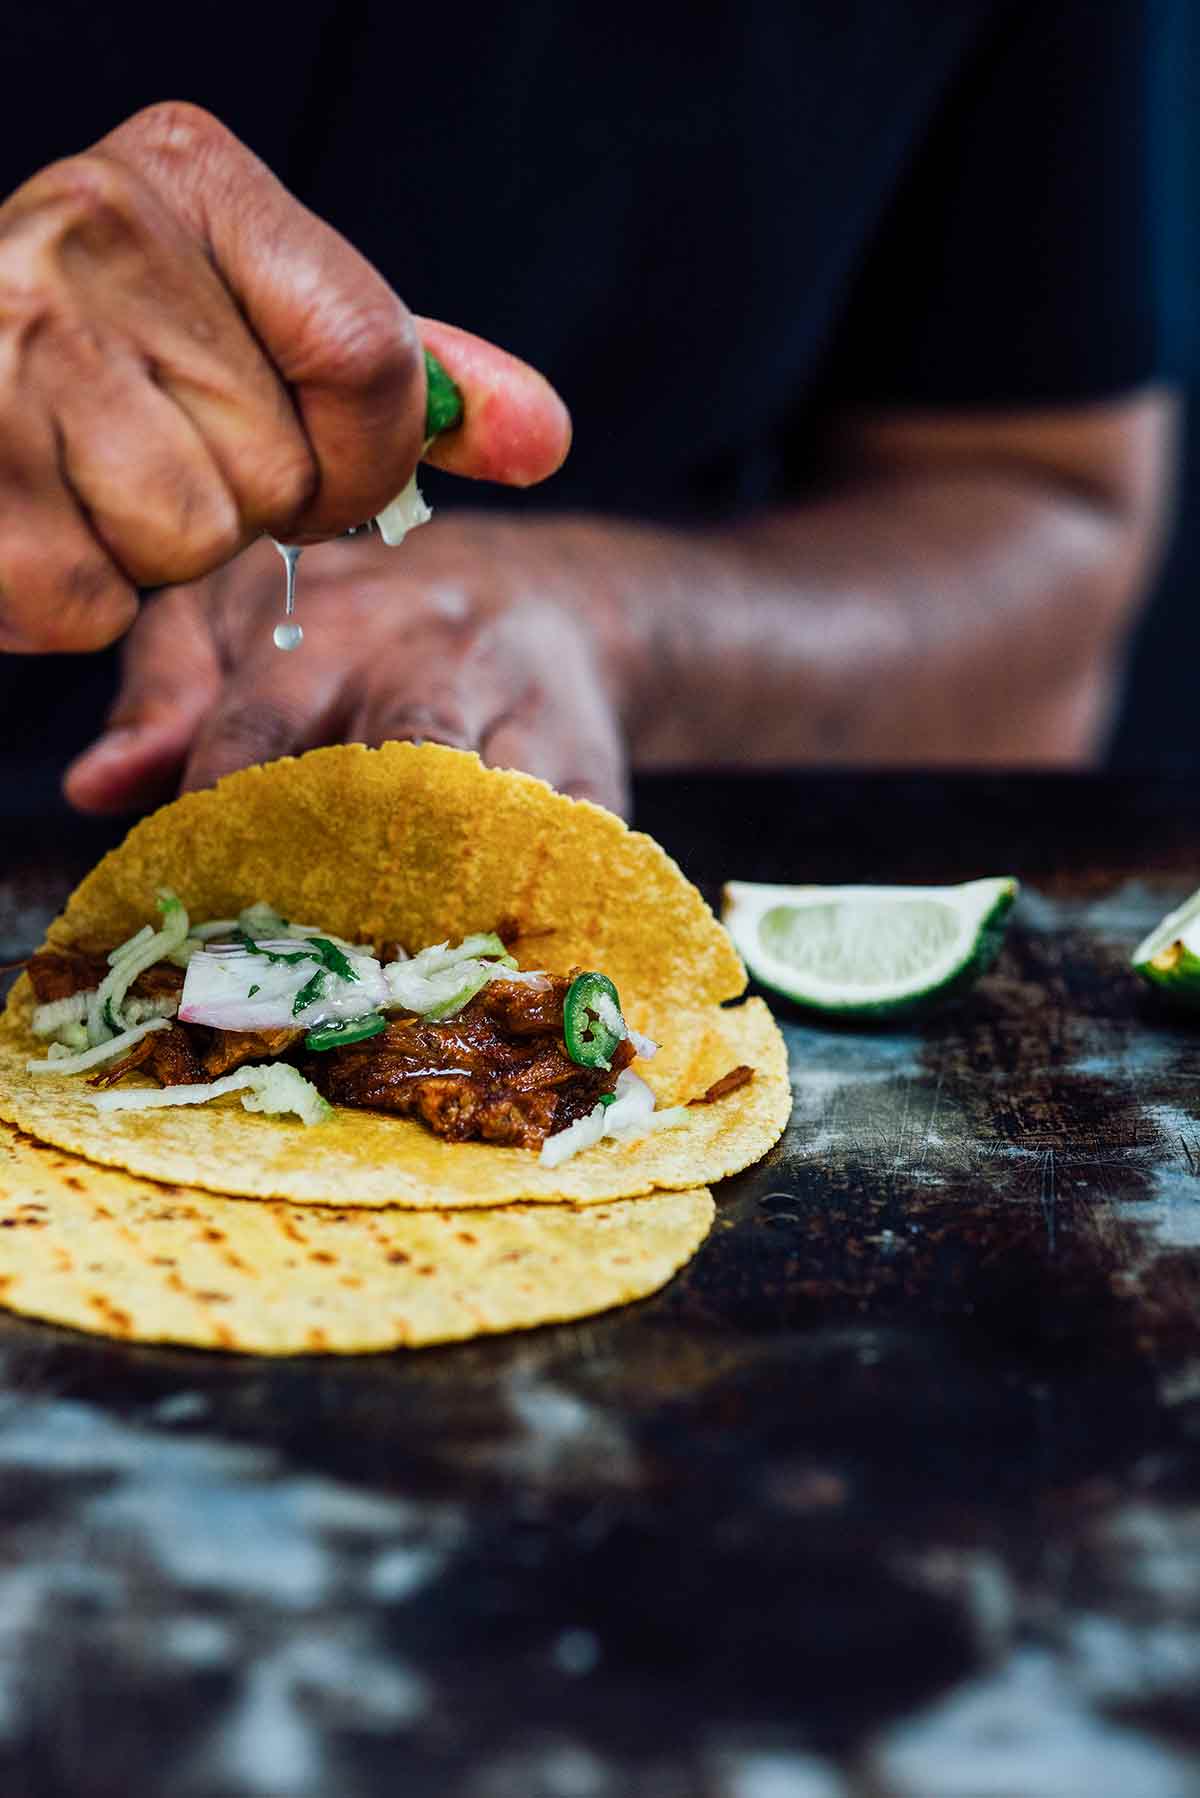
{"x": 499, "y": 1070}
{"x": 59, "y": 974}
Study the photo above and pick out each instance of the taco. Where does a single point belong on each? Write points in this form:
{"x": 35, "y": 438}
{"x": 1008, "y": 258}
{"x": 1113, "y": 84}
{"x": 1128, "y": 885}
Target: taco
{"x": 495, "y": 994}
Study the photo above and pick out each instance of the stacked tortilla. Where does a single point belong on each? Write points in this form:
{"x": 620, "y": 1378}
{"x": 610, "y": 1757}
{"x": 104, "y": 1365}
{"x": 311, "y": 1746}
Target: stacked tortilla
{"x": 217, "y": 1227}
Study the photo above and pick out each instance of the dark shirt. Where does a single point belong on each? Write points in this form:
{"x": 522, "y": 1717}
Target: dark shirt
{"x": 713, "y": 223}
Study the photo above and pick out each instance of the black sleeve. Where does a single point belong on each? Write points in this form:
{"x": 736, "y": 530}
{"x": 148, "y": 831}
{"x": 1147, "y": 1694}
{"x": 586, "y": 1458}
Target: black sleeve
{"x": 1042, "y": 247}
{"x": 74, "y": 70}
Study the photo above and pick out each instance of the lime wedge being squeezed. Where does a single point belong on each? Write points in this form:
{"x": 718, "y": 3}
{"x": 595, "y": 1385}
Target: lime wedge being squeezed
{"x": 867, "y": 952}
{"x": 1169, "y": 958}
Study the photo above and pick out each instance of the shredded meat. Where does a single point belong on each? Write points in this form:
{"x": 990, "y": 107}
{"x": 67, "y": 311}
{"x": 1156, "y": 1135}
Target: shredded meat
{"x": 57, "y": 973}
{"x": 172, "y": 1058}
{"x": 457, "y": 1107}
{"x": 498, "y": 1071}
{"x": 167, "y": 1054}
{"x": 160, "y": 981}
{"x": 469, "y": 1077}
{"x": 112, "y": 1071}
{"x": 523, "y": 1010}
{"x": 229, "y": 1049}
{"x": 728, "y": 1083}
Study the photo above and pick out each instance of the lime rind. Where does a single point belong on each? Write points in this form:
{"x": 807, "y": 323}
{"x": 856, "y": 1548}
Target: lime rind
{"x": 1173, "y": 926}
{"x": 894, "y": 951}
{"x": 1166, "y": 960}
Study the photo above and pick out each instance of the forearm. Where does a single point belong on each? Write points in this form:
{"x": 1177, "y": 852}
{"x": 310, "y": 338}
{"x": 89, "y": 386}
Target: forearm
{"x": 954, "y": 615}
{"x": 927, "y": 618}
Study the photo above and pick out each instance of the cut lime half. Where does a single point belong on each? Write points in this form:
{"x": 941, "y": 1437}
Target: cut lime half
{"x": 1169, "y": 958}
{"x": 867, "y": 952}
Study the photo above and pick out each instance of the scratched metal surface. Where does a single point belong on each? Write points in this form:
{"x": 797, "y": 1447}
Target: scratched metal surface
{"x": 894, "y": 1494}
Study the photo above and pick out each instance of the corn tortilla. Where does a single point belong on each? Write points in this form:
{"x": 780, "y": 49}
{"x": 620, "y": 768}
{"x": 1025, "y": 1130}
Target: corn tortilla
{"x": 105, "y": 1252}
{"x": 428, "y": 842}
{"x": 422, "y": 843}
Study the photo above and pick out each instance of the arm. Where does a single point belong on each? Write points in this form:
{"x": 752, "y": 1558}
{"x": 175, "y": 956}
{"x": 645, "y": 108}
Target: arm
{"x": 961, "y": 593}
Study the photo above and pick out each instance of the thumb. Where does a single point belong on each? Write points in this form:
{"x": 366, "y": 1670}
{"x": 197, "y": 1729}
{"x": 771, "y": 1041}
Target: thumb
{"x": 516, "y": 429}
{"x": 170, "y": 680}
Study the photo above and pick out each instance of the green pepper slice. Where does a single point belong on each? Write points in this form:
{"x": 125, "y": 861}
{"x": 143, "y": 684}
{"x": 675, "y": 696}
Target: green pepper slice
{"x": 443, "y": 401}
{"x": 590, "y": 1041}
{"x": 355, "y": 1030}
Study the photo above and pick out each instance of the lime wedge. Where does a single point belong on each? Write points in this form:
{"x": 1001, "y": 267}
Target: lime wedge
{"x": 867, "y": 952}
{"x": 1169, "y": 958}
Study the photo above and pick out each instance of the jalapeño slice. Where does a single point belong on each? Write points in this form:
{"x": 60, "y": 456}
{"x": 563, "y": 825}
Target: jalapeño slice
{"x": 443, "y": 401}
{"x": 355, "y": 1030}
{"x": 591, "y": 1012}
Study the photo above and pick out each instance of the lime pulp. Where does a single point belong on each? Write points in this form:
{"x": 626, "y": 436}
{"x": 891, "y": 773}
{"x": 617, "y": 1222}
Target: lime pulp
{"x": 867, "y": 952}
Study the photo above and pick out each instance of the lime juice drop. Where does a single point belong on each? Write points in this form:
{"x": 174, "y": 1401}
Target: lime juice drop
{"x": 288, "y": 635}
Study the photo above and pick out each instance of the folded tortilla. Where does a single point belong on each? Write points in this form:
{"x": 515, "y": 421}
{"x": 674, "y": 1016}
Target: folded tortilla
{"x": 422, "y": 843}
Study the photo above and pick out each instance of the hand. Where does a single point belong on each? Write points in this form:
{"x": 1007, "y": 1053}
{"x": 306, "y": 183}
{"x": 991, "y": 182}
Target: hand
{"x": 492, "y": 635}
{"x": 189, "y": 358}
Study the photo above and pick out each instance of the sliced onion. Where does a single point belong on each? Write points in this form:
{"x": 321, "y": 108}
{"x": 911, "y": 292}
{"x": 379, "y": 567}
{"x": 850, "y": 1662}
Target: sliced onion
{"x": 440, "y": 956}
{"x": 204, "y": 933}
{"x": 100, "y": 1052}
{"x": 140, "y": 953}
{"x": 48, "y": 1019}
{"x": 630, "y": 1116}
{"x": 261, "y": 919}
{"x": 438, "y": 994}
{"x": 262, "y": 922}
{"x": 180, "y": 957}
{"x": 584, "y": 1133}
{"x": 437, "y": 983}
{"x": 127, "y": 948}
{"x": 630, "y": 1113}
{"x": 163, "y": 1005}
{"x": 275, "y": 1087}
{"x": 216, "y": 991}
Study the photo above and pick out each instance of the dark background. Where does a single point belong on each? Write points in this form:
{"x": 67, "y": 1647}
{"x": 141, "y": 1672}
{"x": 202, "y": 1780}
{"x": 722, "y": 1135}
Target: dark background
{"x": 1159, "y": 724}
